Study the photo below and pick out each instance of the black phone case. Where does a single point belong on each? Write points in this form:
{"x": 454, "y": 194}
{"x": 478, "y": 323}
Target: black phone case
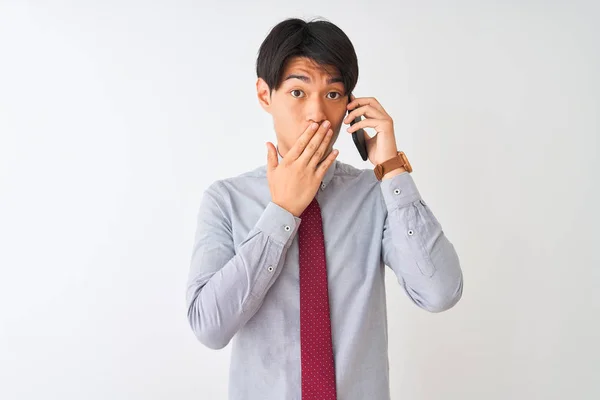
{"x": 359, "y": 139}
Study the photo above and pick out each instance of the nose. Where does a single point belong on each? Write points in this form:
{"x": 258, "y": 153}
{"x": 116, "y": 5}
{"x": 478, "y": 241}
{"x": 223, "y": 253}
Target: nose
{"x": 315, "y": 111}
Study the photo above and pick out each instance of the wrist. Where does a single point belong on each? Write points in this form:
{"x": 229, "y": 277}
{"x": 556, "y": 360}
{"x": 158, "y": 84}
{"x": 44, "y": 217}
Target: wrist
{"x": 287, "y": 208}
{"x": 393, "y": 173}
{"x": 392, "y": 167}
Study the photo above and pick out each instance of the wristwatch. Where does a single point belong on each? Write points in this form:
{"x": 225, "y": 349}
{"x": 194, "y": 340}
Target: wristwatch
{"x": 400, "y": 161}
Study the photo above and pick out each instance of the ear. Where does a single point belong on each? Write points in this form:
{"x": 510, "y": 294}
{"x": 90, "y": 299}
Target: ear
{"x": 264, "y": 94}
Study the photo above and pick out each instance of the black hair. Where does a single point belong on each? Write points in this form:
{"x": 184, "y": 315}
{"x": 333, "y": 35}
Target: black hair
{"x": 318, "y": 40}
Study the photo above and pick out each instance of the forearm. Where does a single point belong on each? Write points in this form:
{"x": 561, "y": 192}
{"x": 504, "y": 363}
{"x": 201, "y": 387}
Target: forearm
{"x": 417, "y": 249}
{"x": 223, "y": 294}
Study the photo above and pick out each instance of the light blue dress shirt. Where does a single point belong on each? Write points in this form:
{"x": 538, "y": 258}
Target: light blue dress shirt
{"x": 243, "y": 282}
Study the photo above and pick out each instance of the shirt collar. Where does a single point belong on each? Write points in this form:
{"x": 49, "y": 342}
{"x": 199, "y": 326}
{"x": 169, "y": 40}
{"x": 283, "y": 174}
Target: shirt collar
{"x": 328, "y": 175}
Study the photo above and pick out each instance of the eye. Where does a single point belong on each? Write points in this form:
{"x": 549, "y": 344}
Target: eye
{"x": 297, "y": 93}
{"x": 336, "y": 93}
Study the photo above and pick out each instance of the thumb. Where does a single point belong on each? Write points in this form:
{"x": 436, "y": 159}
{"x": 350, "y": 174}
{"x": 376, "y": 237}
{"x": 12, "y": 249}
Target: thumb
{"x": 272, "y": 161}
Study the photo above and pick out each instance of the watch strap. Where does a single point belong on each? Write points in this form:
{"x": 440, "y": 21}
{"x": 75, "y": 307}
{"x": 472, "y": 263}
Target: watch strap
{"x": 400, "y": 161}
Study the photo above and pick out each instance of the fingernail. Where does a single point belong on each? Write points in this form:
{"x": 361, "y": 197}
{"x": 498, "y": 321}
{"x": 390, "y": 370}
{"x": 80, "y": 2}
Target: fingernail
{"x": 314, "y": 125}
{"x": 326, "y": 124}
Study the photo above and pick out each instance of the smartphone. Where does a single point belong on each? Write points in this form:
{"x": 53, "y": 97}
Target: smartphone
{"x": 359, "y": 137}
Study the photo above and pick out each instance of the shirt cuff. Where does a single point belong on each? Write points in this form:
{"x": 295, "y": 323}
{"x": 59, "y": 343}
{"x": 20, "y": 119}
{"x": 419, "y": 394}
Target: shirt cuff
{"x": 399, "y": 191}
{"x": 279, "y": 224}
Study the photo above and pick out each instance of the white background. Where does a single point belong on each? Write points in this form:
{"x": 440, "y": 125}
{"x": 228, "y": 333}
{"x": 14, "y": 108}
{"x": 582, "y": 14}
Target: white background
{"x": 116, "y": 115}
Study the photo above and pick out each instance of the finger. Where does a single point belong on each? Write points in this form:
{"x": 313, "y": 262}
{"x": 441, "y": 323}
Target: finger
{"x": 366, "y": 123}
{"x": 367, "y": 111}
{"x": 302, "y": 142}
{"x": 364, "y": 101}
{"x": 314, "y": 143}
{"x": 350, "y": 99}
{"x": 272, "y": 160}
{"x": 322, "y": 170}
{"x": 318, "y": 156}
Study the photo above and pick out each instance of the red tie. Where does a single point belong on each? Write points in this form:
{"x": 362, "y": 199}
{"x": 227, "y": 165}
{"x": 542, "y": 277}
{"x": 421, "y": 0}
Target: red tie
{"x": 316, "y": 351}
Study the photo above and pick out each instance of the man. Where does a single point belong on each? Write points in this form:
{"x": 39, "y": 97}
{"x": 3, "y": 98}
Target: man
{"x": 289, "y": 259}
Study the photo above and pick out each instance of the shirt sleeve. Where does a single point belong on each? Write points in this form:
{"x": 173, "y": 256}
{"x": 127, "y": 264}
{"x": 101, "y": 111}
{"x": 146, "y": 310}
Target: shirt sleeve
{"x": 415, "y": 247}
{"x": 227, "y": 283}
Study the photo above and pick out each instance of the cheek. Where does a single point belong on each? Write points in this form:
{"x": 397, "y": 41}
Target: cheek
{"x": 338, "y": 122}
{"x": 289, "y": 122}
{"x": 286, "y": 126}
{"x": 336, "y": 134}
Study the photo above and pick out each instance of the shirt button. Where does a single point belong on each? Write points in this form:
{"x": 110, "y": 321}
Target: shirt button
{"x": 270, "y": 269}
{"x": 322, "y": 186}
{"x": 287, "y": 228}
{"x": 397, "y": 191}
{"x": 410, "y": 232}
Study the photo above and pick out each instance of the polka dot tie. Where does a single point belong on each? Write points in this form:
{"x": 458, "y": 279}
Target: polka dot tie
{"x": 316, "y": 350}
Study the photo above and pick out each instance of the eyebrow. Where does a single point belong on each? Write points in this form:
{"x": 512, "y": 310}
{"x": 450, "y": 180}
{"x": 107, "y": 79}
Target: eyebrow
{"x": 306, "y": 79}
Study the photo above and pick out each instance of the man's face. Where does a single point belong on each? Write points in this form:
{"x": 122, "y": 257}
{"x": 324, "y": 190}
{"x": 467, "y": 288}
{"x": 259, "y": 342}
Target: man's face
{"x": 308, "y": 93}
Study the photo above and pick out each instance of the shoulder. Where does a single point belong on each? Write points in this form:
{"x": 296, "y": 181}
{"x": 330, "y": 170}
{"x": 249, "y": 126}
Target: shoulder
{"x": 241, "y": 182}
{"x": 347, "y": 171}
